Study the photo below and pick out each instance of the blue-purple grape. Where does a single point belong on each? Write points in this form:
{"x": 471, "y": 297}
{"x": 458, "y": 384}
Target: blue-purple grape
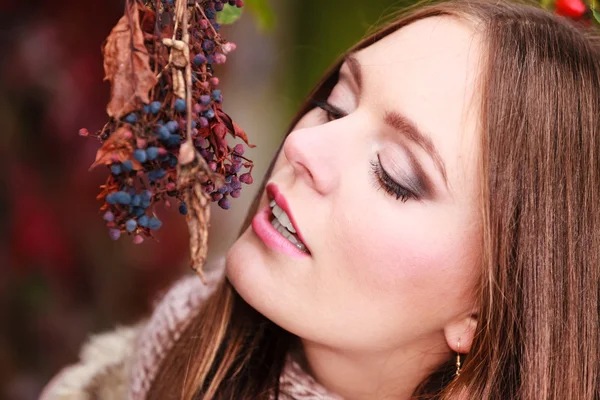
{"x": 152, "y": 153}
{"x": 116, "y": 169}
{"x": 172, "y": 126}
{"x": 131, "y": 225}
{"x": 143, "y": 221}
{"x": 140, "y": 155}
{"x": 154, "y": 223}
{"x": 183, "y": 209}
{"x": 131, "y": 119}
{"x": 127, "y": 165}
{"x": 163, "y": 133}
{"x": 155, "y": 107}
{"x": 180, "y": 105}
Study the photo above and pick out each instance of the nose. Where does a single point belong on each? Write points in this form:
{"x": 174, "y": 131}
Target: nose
{"x": 312, "y": 152}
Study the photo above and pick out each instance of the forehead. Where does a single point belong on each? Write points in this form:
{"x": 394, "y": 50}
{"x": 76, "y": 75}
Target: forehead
{"x": 429, "y": 71}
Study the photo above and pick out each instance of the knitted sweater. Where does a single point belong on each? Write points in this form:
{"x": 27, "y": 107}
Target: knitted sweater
{"x": 122, "y": 364}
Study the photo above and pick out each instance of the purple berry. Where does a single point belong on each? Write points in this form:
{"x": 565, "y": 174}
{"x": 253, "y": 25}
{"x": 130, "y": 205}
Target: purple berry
{"x": 224, "y": 203}
{"x": 216, "y": 196}
{"x": 246, "y": 178}
{"x": 199, "y": 59}
{"x": 116, "y": 169}
{"x": 210, "y": 114}
{"x": 200, "y": 141}
{"x": 219, "y": 6}
{"x": 208, "y": 45}
{"x": 213, "y": 166}
{"x": 205, "y": 99}
{"x": 109, "y": 216}
{"x": 203, "y": 122}
{"x": 236, "y": 193}
{"x": 236, "y": 167}
{"x": 223, "y": 189}
{"x": 239, "y": 149}
{"x": 210, "y": 12}
{"x": 114, "y": 234}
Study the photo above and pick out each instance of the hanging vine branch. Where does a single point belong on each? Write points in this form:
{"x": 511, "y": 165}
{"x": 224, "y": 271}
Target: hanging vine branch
{"x": 166, "y": 139}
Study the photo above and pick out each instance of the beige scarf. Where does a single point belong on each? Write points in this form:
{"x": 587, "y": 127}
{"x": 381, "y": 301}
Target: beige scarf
{"x": 122, "y": 364}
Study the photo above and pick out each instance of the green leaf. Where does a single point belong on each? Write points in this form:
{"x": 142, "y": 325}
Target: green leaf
{"x": 263, "y": 13}
{"x": 595, "y": 11}
{"x": 229, "y": 15}
{"x": 547, "y": 4}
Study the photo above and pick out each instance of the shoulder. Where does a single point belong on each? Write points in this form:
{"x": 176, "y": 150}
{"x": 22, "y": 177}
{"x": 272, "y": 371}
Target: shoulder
{"x": 122, "y": 363}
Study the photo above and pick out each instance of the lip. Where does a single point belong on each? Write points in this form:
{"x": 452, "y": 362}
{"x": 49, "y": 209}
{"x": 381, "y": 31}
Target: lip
{"x": 261, "y": 224}
{"x": 273, "y": 193}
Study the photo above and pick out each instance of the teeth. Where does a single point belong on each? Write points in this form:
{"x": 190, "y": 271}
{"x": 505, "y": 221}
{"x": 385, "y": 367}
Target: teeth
{"x": 288, "y": 235}
{"x": 273, "y": 203}
{"x": 283, "y": 218}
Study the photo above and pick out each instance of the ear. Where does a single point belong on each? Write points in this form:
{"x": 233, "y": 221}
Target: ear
{"x": 462, "y": 329}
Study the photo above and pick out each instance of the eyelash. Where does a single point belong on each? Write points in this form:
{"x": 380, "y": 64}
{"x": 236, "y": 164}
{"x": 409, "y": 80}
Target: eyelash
{"x": 384, "y": 180}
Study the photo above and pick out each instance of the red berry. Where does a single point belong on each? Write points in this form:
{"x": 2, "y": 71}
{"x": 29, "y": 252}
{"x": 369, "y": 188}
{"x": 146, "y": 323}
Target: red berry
{"x": 83, "y": 132}
{"x": 246, "y": 178}
{"x": 570, "y": 8}
{"x": 239, "y": 3}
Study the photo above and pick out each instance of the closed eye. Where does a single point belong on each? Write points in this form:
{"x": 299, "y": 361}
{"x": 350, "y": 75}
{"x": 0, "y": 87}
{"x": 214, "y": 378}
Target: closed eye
{"x": 331, "y": 112}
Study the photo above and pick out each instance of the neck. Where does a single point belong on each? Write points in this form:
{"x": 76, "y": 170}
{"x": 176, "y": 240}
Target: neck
{"x": 385, "y": 374}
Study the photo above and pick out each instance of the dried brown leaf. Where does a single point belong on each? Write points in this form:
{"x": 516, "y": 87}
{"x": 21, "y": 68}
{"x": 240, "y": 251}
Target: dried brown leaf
{"x": 234, "y": 128}
{"x": 198, "y": 215}
{"x": 127, "y": 65}
{"x": 117, "y": 148}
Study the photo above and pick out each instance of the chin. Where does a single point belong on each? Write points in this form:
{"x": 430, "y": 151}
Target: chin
{"x": 246, "y": 268}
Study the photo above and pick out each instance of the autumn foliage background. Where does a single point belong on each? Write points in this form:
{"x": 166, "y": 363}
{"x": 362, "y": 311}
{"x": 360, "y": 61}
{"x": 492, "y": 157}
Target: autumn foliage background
{"x": 61, "y": 277}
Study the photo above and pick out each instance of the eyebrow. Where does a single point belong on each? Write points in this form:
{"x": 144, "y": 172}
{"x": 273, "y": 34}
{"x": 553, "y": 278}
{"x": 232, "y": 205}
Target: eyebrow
{"x": 400, "y": 122}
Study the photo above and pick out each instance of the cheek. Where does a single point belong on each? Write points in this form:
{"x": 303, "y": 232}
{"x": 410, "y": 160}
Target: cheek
{"x": 415, "y": 252}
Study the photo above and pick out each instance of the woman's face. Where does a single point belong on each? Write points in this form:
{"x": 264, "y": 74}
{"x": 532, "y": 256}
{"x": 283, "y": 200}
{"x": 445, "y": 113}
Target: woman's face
{"x": 393, "y": 255}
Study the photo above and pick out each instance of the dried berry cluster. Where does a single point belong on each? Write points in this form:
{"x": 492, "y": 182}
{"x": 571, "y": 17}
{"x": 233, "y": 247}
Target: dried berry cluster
{"x": 159, "y": 59}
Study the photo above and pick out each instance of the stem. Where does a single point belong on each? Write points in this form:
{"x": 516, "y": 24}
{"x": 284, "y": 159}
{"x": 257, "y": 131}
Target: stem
{"x": 188, "y": 75}
{"x": 207, "y": 20}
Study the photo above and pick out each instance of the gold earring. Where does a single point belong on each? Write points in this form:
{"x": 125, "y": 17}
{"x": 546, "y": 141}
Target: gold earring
{"x": 458, "y": 359}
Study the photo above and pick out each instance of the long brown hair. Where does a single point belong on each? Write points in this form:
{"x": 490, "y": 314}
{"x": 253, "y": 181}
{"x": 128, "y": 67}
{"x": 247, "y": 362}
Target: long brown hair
{"x": 538, "y": 325}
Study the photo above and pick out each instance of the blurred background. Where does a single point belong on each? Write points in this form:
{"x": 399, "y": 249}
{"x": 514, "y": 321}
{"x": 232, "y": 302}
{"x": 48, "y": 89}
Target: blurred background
{"x": 61, "y": 277}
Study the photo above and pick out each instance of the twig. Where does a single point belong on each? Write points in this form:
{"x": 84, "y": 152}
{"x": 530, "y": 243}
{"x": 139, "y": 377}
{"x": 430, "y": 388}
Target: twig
{"x": 207, "y": 20}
